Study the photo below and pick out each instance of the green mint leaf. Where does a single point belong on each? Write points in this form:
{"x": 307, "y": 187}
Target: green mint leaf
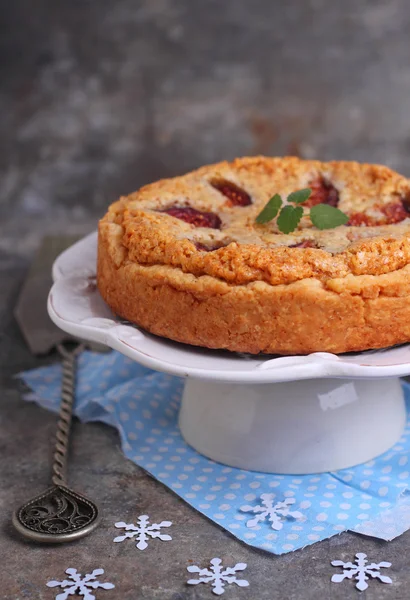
{"x": 270, "y": 210}
{"x": 324, "y": 216}
{"x": 289, "y": 218}
{"x": 300, "y": 196}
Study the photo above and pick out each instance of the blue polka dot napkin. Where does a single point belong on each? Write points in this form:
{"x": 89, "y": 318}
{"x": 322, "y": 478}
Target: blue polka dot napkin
{"x": 275, "y": 512}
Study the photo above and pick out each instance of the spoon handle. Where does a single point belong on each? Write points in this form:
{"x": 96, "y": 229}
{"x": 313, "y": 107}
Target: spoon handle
{"x": 69, "y": 367}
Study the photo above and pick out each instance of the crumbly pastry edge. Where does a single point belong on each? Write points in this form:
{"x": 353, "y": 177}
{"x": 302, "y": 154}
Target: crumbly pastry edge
{"x": 340, "y": 314}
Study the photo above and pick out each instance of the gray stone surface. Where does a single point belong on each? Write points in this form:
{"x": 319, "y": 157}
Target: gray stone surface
{"x": 98, "y": 98}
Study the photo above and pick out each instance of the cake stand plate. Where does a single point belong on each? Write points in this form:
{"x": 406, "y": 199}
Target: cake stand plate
{"x": 296, "y": 414}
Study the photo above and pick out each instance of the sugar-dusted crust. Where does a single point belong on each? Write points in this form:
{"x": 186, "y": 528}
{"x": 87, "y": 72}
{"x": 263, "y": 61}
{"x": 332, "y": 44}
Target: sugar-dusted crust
{"x": 246, "y": 287}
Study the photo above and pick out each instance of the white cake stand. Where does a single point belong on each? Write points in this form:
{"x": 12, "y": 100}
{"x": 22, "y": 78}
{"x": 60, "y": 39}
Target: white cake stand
{"x": 298, "y": 414}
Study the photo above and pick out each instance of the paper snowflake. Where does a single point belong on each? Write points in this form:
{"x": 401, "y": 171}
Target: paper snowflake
{"x": 218, "y": 576}
{"x": 360, "y": 571}
{"x": 143, "y": 531}
{"x": 273, "y": 512}
{"x": 78, "y": 585}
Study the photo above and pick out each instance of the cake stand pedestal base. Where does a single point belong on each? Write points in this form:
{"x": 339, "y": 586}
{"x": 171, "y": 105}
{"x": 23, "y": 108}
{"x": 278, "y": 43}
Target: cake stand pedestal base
{"x": 298, "y": 427}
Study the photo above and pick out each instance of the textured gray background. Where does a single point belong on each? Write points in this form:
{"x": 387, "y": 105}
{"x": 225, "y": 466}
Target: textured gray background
{"x": 99, "y": 97}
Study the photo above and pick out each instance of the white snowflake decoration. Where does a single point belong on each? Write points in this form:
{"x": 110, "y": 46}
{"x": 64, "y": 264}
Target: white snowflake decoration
{"x": 218, "y": 576}
{"x": 143, "y": 531}
{"x": 360, "y": 571}
{"x": 78, "y": 585}
{"x": 273, "y": 512}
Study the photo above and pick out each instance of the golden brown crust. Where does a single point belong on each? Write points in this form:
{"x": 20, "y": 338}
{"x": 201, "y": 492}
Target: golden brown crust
{"x": 257, "y": 294}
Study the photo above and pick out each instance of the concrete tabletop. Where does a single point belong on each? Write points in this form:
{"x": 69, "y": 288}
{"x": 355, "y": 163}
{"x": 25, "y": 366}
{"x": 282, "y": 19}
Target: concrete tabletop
{"x": 98, "y": 98}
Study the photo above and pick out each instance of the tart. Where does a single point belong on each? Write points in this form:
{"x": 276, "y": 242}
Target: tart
{"x": 184, "y": 258}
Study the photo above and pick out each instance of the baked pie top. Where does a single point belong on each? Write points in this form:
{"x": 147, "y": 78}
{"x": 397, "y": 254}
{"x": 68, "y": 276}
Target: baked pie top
{"x": 204, "y": 222}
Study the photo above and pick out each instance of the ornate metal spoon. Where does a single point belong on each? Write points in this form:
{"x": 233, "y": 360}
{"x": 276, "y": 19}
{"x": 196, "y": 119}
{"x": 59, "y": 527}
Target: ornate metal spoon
{"x": 59, "y": 514}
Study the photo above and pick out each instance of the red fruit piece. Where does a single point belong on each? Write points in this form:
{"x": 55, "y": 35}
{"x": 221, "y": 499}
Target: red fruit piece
{"x": 360, "y": 220}
{"x": 394, "y": 212}
{"x": 194, "y": 217}
{"x": 236, "y": 195}
{"x": 304, "y": 244}
{"x": 209, "y": 247}
{"x": 201, "y": 247}
{"x": 323, "y": 192}
{"x": 405, "y": 200}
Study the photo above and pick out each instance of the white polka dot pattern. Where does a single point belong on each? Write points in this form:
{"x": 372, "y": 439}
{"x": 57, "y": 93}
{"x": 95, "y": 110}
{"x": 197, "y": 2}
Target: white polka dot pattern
{"x": 143, "y": 406}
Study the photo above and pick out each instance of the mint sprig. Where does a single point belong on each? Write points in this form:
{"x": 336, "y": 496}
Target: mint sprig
{"x": 323, "y": 216}
{"x": 270, "y": 210}
{"x": 300, "y": 196}
{"x": 289, "y": 218}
